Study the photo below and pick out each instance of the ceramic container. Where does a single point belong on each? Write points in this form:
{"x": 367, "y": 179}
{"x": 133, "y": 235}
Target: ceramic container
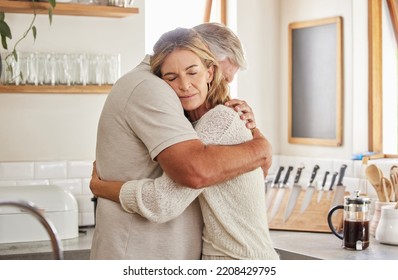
{"x": 376, "y": 216}
{"x": 387, "y": 230}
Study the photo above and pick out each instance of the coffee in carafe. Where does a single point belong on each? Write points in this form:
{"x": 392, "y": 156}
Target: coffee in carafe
{"x": 356, "y": 222}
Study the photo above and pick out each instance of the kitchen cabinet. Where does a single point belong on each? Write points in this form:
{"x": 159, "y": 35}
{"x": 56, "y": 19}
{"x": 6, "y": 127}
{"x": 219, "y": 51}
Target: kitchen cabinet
{"x": 63, "y": 9}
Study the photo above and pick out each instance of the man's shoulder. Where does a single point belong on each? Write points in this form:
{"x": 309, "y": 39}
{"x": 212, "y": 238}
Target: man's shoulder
{"x": 140, "y": 79}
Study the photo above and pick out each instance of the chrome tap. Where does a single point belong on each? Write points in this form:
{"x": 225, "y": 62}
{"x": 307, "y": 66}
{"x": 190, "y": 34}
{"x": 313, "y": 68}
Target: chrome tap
{"x": 52, "y": 232}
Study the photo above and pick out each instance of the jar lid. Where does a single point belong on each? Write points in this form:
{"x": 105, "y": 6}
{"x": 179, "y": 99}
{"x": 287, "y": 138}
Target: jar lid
{"x": 356, "y": 198}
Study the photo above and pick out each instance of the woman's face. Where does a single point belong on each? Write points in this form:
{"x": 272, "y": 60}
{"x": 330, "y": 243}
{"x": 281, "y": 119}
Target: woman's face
{"x": 185, "y": 73}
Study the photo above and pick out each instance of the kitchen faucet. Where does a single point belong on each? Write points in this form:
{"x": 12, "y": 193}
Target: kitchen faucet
{"x": 55, "y": 242}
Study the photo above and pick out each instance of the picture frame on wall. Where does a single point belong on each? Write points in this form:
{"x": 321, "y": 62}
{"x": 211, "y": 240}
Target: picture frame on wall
{"x": 316, "y": 82}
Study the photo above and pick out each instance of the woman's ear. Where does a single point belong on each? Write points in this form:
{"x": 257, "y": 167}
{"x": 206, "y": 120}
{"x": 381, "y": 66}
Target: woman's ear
{"x": 210, "y": 74}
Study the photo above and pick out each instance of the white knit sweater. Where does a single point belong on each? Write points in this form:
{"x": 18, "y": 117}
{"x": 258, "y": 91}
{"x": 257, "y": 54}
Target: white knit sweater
{"x": 234, "y": 212}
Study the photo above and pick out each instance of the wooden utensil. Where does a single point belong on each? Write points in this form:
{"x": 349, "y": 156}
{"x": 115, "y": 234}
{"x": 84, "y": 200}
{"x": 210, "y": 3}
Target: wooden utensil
{"x": 387, "y": 188}
{"x": 394, "y": 180}
{"x": 374, "y": 175}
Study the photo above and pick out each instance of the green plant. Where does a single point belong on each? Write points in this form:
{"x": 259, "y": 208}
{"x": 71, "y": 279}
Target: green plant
{"x": 6, "y": 34}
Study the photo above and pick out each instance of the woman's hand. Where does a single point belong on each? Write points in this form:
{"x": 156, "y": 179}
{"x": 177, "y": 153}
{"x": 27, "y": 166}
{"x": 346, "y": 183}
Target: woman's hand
{"x": 95, "y": 181}
{"x": 105, "y": 189}
{"x": 245, "y": 109}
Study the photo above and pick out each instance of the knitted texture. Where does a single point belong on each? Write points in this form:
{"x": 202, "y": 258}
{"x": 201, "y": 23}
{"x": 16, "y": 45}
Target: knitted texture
{"x": 234, "y": 212}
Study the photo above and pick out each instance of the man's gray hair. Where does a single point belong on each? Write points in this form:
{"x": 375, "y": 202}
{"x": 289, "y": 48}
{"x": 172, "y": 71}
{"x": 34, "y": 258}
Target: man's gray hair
{"x": 222, "y": 42}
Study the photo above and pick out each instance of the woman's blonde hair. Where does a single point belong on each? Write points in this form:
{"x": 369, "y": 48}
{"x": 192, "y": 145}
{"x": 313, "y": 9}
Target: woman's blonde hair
{"x": 189, "y": 39}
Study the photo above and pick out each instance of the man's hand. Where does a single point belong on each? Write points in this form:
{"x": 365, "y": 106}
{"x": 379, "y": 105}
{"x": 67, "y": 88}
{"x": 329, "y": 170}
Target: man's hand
{"x": 258, "y": 136}
{"x": 245, "y": 109}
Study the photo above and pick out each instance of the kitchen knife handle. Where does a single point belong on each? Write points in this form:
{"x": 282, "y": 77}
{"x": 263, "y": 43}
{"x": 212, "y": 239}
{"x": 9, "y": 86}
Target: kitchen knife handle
{"x": 313, "y": 175}
{"x": 278, "y": 175}
{"x": 342, "y": 171}
{"x": 287, "y": 175}
{"x": 298, "y": 174}
{"x": 324, "y": 178}
{"x": 333, "y": 180}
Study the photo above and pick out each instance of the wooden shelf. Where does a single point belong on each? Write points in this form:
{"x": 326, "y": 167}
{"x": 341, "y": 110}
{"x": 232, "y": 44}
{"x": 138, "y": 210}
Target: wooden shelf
{"x": 66, "y": 9}
{"x": 61, "y": 89}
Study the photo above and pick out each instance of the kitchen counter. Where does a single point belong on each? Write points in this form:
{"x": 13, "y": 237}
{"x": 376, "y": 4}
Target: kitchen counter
{"x": 291, "y": 245}
{"x": 74, "y": 249}
{"x": 326, "y": 246}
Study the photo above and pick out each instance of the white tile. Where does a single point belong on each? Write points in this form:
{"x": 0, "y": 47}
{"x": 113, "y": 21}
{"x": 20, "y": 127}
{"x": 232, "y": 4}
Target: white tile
{"x": 8, "y": 183}
{"x": 349, "y": 172}
{"x": 275, "y": 165}
{"x": 32, "y": 182}
{"x": 85, "y": 203}
{"x": 359, "y": 169}
{"x": 16, "y": 170}
{"x": 50, "y": 170}
{"x": 72, "y": 185}
{"x": 86, "y": 186}
{"x": 86, "y": 219}
{"x": 79, "y": 169}
{"x": 352, "y": 184}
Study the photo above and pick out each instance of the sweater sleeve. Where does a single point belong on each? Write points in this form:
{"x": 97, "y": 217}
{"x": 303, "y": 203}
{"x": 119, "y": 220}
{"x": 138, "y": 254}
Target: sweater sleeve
{"x": 159, "y": 200}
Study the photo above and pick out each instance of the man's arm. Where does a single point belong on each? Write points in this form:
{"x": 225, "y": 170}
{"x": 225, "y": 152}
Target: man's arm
{"x": 193, "y": 164}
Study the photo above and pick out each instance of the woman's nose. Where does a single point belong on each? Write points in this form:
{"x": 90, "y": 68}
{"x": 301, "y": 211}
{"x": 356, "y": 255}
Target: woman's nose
{"x": 184, "y": 84}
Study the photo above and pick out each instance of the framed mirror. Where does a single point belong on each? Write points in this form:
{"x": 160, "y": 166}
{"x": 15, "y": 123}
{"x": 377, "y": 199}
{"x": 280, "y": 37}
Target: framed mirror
{"x": 316, "y": 82}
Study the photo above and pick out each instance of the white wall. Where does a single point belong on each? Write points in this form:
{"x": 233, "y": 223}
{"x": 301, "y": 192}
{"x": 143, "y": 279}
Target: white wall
{"x": 259, "y": 30}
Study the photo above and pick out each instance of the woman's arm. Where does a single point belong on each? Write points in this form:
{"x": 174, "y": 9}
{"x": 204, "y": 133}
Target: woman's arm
{"x": 159, "y": 200}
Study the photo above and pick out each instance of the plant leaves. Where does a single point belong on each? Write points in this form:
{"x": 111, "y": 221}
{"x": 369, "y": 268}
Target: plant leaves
{"x": 4, "y": 42}
{"x": 50, "y": 15}
{"x": 5, "y": 29}
{"x": 2, "y": 16}
{"x": 15, "y": 54}
{"x": 34, "y": 32}
{"x": 10, "y": 69}
{"x": 52, "y": 3}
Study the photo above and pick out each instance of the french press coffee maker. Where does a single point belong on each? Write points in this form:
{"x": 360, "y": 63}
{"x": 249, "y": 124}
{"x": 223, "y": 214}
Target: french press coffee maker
{"x": 356, "y": 222}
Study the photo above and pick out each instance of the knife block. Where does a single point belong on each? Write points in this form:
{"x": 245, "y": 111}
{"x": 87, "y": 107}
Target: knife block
{"x": 314, "y": 218}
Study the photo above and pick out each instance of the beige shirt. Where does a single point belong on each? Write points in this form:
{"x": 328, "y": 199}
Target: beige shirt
{"x": 141, "y": 116}
{"x": 234, "y": 212}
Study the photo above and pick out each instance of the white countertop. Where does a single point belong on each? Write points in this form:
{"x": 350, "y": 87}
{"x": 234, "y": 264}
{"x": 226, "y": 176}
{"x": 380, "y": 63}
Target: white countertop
{"x": 327, "y": 246}
{"x": 290, "y": 244}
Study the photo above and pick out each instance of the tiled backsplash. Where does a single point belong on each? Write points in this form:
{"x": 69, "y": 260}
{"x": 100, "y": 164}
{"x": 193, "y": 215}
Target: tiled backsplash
{"x": 75, "y": 176}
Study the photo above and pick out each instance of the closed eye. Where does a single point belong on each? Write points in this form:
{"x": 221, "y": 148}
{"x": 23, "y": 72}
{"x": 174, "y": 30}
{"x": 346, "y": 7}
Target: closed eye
{"x": 169, "y": 77}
